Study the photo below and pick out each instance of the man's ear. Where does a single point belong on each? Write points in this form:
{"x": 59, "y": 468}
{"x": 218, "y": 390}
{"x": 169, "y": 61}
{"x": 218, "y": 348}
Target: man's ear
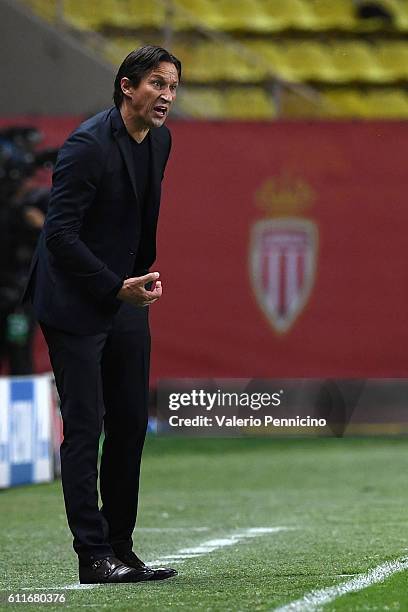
{"x": 126, "y": 86}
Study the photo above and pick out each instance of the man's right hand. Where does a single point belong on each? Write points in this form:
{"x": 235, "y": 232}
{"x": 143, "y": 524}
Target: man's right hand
{"x": 133, "y": 290}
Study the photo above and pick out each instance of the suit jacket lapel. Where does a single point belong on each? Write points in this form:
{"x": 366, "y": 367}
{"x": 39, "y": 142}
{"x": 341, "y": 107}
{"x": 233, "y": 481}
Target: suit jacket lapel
{"x": 155, "y": 168}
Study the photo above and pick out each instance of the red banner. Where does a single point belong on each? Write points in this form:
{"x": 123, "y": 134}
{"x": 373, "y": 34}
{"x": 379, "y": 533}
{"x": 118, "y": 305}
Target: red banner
{"x": 282, "y": 249}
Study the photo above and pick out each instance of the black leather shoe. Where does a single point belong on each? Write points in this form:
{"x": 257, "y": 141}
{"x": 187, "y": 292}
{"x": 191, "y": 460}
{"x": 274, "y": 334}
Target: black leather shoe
{"x": 159, "y": 573}
{"x": 112, "y": 570}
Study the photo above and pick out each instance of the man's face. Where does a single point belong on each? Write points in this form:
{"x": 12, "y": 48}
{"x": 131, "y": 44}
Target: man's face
{"x": 151, "y": 100}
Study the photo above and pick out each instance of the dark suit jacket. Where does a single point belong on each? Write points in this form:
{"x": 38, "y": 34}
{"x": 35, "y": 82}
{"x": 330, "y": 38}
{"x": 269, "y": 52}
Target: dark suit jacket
{"x": 95, "y": 234}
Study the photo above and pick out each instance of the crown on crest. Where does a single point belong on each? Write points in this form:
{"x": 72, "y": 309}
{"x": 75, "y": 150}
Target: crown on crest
{"x": 284, "y": 195}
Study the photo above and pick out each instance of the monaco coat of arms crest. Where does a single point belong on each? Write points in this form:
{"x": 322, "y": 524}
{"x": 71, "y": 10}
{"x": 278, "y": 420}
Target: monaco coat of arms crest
{"x": 283, "y": 252}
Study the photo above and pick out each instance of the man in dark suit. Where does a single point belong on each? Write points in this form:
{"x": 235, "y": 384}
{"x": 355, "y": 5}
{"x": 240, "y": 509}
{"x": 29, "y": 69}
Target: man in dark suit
{"x": 90, "y": 286}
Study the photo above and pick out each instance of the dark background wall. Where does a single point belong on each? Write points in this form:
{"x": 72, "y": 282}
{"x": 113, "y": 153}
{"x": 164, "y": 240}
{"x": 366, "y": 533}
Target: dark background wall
{"x": 46, "y": 72}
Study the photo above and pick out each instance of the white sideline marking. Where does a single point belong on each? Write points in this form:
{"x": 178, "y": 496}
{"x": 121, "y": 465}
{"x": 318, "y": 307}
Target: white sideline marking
{"x": 187, "y": 553}
{"x": 313, "y": 601}
{"x": 184, "y": 529}
{"x": 211, "y": 545}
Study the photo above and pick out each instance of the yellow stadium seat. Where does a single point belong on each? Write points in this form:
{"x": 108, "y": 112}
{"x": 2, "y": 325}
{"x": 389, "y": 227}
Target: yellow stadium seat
{"x": 240, "y": 64}
{"x": 81, "y": 15}
{"x": 202, "y": 63}
{"x": 399, "y": 8}
{"x": 118, "y": 48}
{"x": 120, "y": 13}
{"x": 184, "y": 52}
{"x": 201, "y": 103}
{"x": 273, "y": 58}
{"x": 137, "y": 13}
{"x": 210, "y": 61}
{"x": 376, "y": 104}
{"x": 355, "y": 61}
{"x": 296, "y": 103}
{"x": 248, "y": 103}
{"x": 308, "y": 60}
{"x": 341, "y": 103}
{"x": 386, "y": 104}
{"x": 333, "y": 14}
{"x": 228, "y": 15}
{"x": 287, "y": 14}
{"x": 188, "y": 14}
{"x": 244, "y": 15}
{"x": 393, "y": 58}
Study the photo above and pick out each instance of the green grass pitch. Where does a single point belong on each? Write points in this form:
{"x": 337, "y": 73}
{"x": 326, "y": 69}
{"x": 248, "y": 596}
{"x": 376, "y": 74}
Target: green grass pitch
{"x": 344, "y": 501}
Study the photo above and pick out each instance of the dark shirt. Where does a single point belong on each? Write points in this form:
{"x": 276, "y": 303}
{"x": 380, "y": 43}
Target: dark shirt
{"x": 142, "y": 169}
{"x": 141, "y": 162}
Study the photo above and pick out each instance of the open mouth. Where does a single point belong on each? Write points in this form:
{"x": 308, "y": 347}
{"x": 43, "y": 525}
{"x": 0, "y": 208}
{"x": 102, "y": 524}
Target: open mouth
{"x": 161, "y": 110}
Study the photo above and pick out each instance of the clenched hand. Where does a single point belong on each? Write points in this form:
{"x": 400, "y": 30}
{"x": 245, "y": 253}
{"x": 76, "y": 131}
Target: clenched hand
{"x": 133, "y": 290}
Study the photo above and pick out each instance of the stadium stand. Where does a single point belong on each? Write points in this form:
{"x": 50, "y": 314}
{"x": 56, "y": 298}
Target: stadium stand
{"x": 355, "y": 61}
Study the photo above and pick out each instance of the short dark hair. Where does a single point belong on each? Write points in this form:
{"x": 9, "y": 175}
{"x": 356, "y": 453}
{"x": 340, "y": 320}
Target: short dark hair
{"x": 139, "y": 63}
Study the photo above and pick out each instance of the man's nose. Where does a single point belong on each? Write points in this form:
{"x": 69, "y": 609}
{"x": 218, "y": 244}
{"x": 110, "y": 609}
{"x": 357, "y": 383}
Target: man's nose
{"x": 167, "y": 95}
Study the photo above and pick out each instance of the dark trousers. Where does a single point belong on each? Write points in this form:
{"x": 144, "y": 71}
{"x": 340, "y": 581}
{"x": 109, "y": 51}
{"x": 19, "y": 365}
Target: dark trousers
{"x": 102, "y": 380}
